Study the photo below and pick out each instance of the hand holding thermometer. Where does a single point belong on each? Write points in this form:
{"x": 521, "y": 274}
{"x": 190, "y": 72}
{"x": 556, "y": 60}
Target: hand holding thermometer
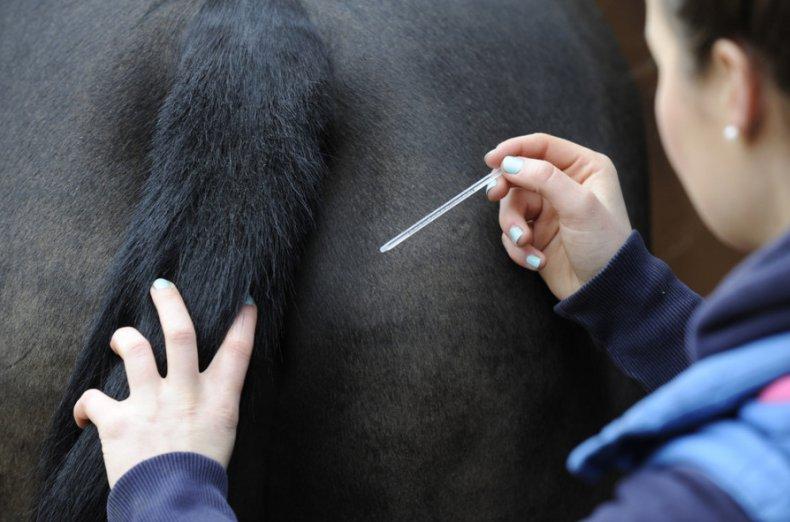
{"x": 406, "y": 234}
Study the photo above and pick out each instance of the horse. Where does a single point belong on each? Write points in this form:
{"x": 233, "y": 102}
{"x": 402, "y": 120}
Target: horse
{"x": 271, "y": 146}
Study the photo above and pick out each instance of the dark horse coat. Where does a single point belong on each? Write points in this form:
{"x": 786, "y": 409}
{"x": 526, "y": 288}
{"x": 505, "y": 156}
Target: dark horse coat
{"x": 188, "y": 140}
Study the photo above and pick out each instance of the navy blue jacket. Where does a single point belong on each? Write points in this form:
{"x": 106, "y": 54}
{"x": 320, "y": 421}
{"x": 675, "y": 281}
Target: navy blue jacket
{"x": 682, "y": 446}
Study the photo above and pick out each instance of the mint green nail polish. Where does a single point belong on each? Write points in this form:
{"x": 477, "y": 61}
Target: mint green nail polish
{"x": 515, "y": 234}
{"x": 249, "y": 301}
{"x": 533, "y": 261}
{"x": 161, "y": 284}
{"x": 512, "y": 165}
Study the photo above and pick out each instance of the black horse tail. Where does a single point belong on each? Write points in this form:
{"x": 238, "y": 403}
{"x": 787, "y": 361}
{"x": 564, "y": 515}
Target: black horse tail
{"x": 235, "y": 168}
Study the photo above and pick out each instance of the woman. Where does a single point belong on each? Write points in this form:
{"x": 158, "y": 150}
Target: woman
{"x": 713, "y": 443}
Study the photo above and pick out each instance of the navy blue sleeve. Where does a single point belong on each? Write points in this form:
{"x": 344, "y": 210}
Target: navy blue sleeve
{"x": 173, "y": 486}
{"x": 638, "y": 310}
{"x": 654, "y": 495}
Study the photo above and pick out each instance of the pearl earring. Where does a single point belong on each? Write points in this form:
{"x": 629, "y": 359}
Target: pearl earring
{"x": 731, "y": 132}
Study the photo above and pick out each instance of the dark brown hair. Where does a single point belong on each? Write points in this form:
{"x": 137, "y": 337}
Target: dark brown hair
{"x": 762, "y": 25}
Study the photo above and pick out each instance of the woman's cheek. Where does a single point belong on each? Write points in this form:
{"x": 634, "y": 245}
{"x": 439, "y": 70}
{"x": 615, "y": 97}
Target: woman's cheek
{"x": 687, "y": 143}
{"x": 669, "y": 118}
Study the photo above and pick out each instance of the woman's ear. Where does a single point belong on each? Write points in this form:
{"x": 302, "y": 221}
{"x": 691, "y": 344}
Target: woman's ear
{"x": 738, "y": 74}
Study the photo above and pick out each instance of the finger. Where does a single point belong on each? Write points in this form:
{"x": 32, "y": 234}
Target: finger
{"x": 138, "y": 358}
{"x": 545, "y": 227}
{"x": 571, "y": 200}
{"x": 497, "y": 189}
{"x": 93, "y": 407}
{"x": 559, "y": 152}
{"x": 179, "y": 333}
{"x": 527, "y": 257}
{"x": 230, "y": 364}
{"x": 516, "y": 211}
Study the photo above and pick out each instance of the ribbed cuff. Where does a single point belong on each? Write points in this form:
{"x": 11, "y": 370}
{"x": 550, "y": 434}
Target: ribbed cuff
{"x": 173, "y": 486}
{"x": 638, "y": 310}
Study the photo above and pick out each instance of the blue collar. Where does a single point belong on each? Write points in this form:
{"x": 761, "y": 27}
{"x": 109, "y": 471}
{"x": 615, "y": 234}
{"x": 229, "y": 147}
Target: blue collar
{"x": 708, "y": 389}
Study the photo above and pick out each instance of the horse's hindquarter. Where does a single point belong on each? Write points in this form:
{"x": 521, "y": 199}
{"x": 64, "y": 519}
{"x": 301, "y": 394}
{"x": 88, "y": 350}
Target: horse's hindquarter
{"x": 430, "y": 382}
{"x": 80, "y": 86}
{"x": 434, "y": 381}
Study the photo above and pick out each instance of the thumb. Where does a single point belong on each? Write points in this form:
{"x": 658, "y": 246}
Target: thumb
{"x": 569, "y": 198}
{"x": 93, "y": 407}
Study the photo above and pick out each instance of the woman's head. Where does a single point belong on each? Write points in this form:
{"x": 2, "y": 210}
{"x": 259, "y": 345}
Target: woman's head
{"x": 723, "y": 109}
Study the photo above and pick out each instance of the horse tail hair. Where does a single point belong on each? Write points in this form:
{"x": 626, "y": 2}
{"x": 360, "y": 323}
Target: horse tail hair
{"x": 235, "y": 168}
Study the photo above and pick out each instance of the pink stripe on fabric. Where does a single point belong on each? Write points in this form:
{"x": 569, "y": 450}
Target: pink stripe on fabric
{"x": 777, "y": 391}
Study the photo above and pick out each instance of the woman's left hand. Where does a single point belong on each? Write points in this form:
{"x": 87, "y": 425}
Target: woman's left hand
{"x": 185, "y": 411}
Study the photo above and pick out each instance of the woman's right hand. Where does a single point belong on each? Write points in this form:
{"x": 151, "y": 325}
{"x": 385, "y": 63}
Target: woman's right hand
{"x": 561, "y": 208}
{"x": 186, "y": 411}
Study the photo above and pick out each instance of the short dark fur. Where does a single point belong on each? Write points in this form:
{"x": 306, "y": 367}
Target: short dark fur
{"x": 235, "y": 169}
{"x": 433, "y": 382}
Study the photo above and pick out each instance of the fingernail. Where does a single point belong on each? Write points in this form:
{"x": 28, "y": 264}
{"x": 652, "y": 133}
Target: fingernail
{"x": 488, "y": 154}
{"x": 161, "y": 284}
{"x": 491, "y": 184}
{"x": 515, "y": 234}
{"x": 249, "y": 300}
{"x": 533, "y": 262}
{"x": 512, "y": 165}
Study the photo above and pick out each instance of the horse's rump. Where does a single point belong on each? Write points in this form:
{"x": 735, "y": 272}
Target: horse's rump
{"x": 433, "y": 382}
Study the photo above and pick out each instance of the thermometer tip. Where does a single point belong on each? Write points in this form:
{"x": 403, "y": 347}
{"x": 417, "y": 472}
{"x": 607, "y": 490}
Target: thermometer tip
{"x": 403, "y": 236}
